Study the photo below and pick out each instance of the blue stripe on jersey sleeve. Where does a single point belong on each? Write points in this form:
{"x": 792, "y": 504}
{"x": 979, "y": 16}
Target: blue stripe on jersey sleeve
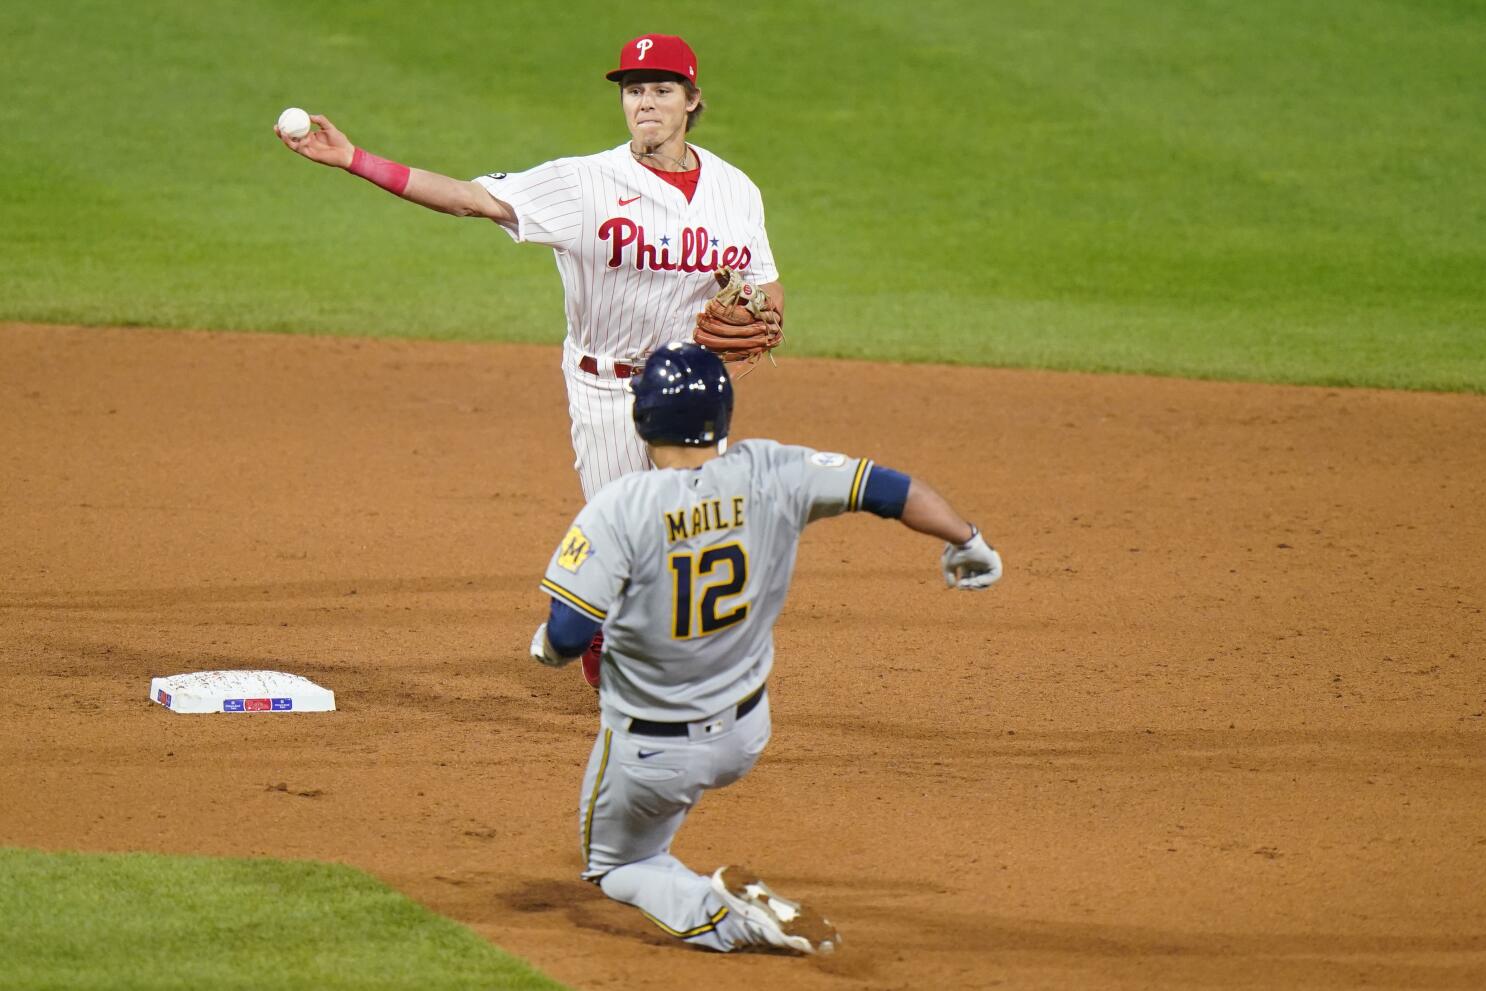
{"x": 568, "y": 630}
{"x": 886, "y": 492}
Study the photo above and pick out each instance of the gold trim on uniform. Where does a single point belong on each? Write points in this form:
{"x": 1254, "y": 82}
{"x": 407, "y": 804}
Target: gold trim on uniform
{"x": 593, "y": 800}
{"x": 573, "y": 600}
{"x": 751, "y": 695}
{"x": 853, "y": 500}
{"x": 700, "y": 930}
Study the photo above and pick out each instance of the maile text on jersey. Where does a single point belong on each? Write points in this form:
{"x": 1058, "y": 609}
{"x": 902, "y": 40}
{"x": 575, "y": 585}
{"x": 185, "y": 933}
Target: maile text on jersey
{"x": 704, "y": 517}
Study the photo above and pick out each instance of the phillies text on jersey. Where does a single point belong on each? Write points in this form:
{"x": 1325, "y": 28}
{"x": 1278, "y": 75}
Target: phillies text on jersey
{"x": 636, "y": 258}
{"x": 697, "y": 251}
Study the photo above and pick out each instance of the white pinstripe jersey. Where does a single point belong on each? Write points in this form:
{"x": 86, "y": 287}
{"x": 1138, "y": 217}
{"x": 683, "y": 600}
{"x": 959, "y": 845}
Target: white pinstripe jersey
{"x": 636, "y": 259}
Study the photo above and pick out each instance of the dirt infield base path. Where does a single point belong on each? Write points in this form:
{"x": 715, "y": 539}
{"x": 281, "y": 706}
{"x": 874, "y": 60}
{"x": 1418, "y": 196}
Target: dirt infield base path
{"x": 1221, "y": 725}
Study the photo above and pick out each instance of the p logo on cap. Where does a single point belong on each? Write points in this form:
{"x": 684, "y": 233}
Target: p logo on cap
{"x": 656, "y": 53}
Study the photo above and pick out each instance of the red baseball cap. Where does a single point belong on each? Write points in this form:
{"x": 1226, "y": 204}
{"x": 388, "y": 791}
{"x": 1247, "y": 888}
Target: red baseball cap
{"x": 658, "y": 53}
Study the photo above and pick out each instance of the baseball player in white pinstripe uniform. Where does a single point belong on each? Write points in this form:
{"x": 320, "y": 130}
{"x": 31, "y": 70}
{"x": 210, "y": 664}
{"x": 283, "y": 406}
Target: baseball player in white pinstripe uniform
{"x": 638, "y": 232}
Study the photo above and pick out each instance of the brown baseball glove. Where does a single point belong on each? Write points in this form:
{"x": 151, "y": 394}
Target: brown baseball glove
{"x": 740, "y": 323}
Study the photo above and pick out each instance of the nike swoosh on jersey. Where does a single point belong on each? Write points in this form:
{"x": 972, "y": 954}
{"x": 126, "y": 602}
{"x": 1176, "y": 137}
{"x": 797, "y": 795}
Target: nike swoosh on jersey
{"x": 627, "y": 202}
{"x": 646, "y": 754}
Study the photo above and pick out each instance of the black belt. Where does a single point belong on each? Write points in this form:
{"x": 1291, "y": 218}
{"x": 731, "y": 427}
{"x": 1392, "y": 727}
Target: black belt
{"x": 645, "y": 727}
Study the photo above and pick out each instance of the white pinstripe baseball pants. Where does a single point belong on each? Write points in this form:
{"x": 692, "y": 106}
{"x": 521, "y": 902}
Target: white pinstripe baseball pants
{"x": 605, "y": 444}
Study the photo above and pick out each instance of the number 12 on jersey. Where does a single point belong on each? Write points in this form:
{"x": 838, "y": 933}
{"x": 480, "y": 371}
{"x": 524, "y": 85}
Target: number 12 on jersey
{"x": 701, "y": 582}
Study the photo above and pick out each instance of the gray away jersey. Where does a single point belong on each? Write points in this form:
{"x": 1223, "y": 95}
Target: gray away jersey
{"x": 688, "y": 570}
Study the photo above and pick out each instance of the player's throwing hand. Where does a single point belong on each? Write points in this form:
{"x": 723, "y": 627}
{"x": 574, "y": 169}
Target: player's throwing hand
{"x": 325, "y": 144}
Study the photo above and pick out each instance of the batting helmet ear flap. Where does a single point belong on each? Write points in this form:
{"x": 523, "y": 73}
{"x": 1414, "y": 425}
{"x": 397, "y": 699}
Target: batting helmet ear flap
{"x": 684, "y": 396}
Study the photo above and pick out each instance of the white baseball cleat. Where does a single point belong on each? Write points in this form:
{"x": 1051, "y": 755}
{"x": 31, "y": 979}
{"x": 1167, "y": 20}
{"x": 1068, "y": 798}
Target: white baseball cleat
{"x": 770, "y": 919}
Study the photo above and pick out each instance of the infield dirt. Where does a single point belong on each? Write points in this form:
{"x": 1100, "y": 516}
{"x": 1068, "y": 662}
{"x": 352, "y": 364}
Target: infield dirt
{"x": 1223, "y": 724}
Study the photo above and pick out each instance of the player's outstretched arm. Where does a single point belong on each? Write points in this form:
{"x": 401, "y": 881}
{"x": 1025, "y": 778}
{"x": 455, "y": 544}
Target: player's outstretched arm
{"x": 968, "y": 562}
{"x": 327, "y": 145}
{"x": 926, "y": 511}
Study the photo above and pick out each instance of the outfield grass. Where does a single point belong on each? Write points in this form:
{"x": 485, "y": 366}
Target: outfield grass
{"x": 1266, "y": 190}
{"x": 108, "y": 921}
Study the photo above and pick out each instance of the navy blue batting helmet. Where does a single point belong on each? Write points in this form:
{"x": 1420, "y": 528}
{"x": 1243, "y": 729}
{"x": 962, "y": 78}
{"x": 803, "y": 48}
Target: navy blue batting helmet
{"x": 683, "y": 395}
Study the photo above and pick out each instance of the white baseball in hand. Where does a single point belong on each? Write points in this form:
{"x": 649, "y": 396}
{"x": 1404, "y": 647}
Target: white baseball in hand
{"x": 294, "y": 123}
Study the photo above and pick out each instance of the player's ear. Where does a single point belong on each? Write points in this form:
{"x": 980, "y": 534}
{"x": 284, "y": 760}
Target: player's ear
{"x": 693, "y": 100}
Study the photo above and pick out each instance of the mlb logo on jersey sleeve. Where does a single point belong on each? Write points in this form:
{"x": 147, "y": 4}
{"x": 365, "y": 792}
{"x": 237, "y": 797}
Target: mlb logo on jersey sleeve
{"x": 574, "y": 551}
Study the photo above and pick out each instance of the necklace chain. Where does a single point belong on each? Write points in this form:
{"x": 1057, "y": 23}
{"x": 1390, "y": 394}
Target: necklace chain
{"x": 638, "y": 155}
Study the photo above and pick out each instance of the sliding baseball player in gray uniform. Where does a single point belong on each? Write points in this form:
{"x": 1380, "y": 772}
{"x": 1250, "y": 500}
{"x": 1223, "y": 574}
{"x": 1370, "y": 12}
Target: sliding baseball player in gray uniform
{"x": 686, "y": 568}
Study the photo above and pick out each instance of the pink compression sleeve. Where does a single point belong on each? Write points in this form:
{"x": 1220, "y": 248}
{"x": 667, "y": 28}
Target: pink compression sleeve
{"x": 391, "y": 176}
